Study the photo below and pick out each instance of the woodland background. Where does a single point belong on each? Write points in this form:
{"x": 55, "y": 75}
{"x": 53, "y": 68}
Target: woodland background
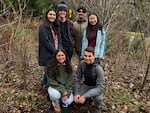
{"x": 126, "y": 65}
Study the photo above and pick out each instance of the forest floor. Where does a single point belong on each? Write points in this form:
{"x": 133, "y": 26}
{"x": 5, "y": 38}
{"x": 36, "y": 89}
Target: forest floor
{"x": 21, "y": 91}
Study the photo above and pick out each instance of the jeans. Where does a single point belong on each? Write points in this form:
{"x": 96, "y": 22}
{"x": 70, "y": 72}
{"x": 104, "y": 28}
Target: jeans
{"x": 55, "y": 97}
{"x": 44, "y": 79}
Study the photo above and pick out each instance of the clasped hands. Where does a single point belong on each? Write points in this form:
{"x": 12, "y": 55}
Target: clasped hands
{"x": 65, "y": 95}
{"x": 79, "y": 99}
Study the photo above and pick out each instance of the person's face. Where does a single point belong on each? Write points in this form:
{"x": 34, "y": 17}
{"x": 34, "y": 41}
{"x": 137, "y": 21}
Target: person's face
{"x": 89, "y": 57}
{"x": 51, "y": 16}
{"x": 60, "y": 57}
{"x": 93, "y": 19}
{"x": 81, "y": 14}
{"x": 62, "y": 13}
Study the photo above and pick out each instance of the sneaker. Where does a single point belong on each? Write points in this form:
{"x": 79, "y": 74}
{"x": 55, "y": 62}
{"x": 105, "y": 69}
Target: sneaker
{"x": 95, "y": 109}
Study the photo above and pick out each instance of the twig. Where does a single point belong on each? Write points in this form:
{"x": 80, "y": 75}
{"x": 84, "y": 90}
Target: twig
{"x": 146, "y": 75}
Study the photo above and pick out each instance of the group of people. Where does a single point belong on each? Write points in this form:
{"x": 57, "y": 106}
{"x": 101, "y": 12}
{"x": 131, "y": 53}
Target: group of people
{"x": 58, "y": 36}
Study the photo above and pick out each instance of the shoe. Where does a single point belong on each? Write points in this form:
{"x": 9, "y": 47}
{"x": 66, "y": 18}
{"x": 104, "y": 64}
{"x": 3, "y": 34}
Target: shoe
{"x": 93, "y": 112}
{"x": 64, "y": 110}
{"x": 57, "y": 109}
{"x": 87, "y": 111}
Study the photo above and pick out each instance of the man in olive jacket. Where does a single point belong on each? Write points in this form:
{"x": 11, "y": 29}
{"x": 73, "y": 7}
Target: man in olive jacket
{"x": 79, "y": 25}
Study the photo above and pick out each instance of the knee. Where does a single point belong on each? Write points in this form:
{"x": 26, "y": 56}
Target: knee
{"x": 70, "y": 100}
{"x": 99, "y": 98}
{"x": 53, "y": 93}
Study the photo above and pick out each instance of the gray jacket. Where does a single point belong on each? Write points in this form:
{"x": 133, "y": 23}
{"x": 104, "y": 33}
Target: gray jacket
{"x": 79, "y": 79}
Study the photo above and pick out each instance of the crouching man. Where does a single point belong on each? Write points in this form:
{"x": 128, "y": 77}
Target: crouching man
{"x": 89, "y": 80}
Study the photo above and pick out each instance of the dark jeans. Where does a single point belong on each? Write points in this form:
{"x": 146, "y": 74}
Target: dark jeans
{"x": 44, "y": 79}
{"x": 69, "y": 52}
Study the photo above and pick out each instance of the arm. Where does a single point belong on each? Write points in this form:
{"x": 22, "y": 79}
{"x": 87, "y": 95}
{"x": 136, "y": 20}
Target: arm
{"x": 99, "y": 89}
{"x": 100, "y": 44}
{"x": 71, "y": 31}
{"x": 104, "y": 43}
{"x": 68, "y": 84}
{"x": 78, "y": 78}
{"x": 84, "y": 43}
{"x": 60, "y": 42}
{"x": 73, "y": 34}
{"x": 44, "y": 38}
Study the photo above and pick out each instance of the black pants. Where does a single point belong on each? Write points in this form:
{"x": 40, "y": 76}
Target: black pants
{"x": 69, "y": 52}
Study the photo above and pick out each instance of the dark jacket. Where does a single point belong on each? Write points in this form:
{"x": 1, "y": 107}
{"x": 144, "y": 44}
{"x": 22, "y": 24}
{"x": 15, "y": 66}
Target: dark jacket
{"x": 46, "y": 45}
{"x": 71, "y": 31}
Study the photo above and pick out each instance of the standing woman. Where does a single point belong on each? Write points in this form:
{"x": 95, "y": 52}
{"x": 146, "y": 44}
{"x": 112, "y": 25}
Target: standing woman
{"x": 94, "y": 36}
{"x": 49, "y": 38}
{"x": 59, "y": 80}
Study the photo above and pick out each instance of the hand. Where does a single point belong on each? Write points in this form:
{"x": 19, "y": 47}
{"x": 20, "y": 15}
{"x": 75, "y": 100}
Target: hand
{"x": 65, "y": 97}
{"x": 82, "y": 99}
{"x": 81, "y": 58}
{"x": 76, "y": 98}
{"x": 65, "y": 93}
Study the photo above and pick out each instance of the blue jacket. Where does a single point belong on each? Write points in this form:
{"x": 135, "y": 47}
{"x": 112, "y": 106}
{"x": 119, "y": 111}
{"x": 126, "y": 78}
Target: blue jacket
{"x": 100, "y": 44}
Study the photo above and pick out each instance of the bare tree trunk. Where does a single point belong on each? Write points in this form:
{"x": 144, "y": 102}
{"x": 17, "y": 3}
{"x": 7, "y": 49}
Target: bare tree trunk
{"x": 146, "y": 75}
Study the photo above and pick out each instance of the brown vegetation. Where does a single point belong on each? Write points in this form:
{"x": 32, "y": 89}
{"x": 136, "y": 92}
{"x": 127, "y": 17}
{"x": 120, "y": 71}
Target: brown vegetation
{"x": 126, "y": 64}
{"x": 21, "y": 89}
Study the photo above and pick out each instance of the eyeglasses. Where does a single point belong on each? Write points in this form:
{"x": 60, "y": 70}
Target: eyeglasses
{"x": 79, "y": 11}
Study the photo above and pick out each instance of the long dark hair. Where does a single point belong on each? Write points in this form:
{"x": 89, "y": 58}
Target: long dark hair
{"x": 55, "y": 24}
{"x": 97, "y": 27}
{"x": 52, "y": 69}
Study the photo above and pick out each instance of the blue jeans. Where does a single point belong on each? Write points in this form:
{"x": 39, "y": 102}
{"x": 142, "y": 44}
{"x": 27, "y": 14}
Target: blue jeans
{"x": 55, "y": 97}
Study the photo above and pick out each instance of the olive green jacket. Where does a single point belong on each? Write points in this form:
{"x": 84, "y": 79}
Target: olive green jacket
{"x": 62, "y": 83}
{"x": 79, "y": 27}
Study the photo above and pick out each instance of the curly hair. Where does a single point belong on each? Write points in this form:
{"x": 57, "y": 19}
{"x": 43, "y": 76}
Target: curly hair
{"x": 52, "y": 69}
